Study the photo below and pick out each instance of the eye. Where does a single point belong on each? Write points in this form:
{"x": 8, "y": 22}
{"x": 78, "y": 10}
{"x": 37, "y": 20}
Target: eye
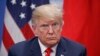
{"x": 55, "y": 24}
{"x": 44, "y": 25}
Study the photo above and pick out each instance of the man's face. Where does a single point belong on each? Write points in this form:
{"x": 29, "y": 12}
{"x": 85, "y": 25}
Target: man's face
{"x": 48, "y": 31}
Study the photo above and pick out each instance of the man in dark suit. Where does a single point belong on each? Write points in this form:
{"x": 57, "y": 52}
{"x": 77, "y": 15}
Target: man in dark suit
{"x": 47, "y": 26}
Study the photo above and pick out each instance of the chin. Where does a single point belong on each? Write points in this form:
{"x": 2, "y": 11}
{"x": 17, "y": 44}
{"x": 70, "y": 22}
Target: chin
{"x": 52, "y": 43}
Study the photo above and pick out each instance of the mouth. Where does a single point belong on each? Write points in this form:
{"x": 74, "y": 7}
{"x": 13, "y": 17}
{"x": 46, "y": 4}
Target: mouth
{"x": 51, "y": 38}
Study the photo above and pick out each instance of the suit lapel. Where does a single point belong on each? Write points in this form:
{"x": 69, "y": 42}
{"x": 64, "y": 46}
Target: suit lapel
{"x": 64, "y": 48}
{"x": 35, "y": 48}
{"x": 61, "y": 48}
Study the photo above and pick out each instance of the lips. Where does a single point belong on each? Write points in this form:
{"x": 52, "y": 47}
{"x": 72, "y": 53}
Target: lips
{"x": 51, "y": 38}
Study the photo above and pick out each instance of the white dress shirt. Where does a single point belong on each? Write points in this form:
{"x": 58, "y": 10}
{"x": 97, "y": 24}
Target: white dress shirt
{"x": 43, "y": 48}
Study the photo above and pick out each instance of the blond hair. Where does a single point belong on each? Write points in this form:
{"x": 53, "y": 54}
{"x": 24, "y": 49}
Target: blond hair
{"x": 48, "y": 11}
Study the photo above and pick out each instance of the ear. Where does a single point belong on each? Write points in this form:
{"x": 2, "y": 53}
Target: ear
{"x": 34, "y": 29}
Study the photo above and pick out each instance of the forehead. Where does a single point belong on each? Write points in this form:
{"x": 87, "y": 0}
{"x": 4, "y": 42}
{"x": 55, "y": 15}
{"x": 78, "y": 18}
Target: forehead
{"x": 47, "y": 20}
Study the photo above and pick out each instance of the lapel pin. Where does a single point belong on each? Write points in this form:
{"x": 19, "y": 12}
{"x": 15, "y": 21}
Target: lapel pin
{"x": 62, "y": 55}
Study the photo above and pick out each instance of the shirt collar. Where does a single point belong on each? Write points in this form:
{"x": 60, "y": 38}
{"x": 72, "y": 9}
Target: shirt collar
{"x": 43, "y": 48}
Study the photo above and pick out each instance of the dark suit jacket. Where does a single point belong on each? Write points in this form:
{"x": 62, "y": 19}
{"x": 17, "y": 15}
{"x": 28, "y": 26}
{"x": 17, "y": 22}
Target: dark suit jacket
{"x": 32, "y": 48}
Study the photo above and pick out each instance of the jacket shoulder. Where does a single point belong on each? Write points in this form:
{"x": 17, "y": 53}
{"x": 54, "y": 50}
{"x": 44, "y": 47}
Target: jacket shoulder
{"x": 19, "y": 48}
{"x": 68, "y": 42}
{"x": 73, "y": 47}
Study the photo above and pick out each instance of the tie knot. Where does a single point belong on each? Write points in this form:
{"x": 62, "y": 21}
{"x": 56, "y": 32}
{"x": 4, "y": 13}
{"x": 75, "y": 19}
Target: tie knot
{"x": 48, "y": 50}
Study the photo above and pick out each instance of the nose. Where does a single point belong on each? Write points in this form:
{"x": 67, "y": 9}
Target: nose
{"x": 50, "y": 31}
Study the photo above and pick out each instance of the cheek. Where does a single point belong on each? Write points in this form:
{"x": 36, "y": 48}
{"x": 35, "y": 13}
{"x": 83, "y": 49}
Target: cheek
{"x": 59, "y": 31}
{"x": 40, "y": 33}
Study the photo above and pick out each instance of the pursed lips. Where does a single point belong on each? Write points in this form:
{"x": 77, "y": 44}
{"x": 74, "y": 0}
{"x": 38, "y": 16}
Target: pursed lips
{"x": 51, "y": 38}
